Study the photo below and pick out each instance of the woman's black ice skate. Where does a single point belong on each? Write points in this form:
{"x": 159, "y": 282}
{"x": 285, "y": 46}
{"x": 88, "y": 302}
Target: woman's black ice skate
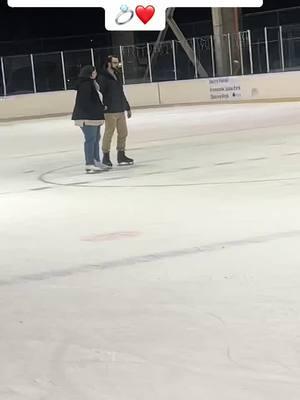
{"x": 123, "y": 159}
{"x": 106, "y": 160}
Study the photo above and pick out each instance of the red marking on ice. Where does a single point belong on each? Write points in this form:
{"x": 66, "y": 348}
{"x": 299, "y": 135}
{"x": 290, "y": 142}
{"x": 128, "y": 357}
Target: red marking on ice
{"x": 111, "y": 236}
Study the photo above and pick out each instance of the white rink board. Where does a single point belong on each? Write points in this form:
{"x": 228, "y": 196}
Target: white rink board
{"x": 264, "y": 87}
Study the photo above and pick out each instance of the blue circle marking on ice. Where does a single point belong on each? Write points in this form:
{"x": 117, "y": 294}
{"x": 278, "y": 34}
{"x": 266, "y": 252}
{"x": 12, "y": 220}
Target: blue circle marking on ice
{"x": 124, "y": 8}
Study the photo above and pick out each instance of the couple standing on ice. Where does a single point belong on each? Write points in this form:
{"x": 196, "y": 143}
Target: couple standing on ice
{"x": 97, "y": 103}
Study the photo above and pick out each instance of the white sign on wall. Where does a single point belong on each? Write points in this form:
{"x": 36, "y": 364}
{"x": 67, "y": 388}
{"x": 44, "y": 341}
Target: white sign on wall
{"x": 226, "y": 88}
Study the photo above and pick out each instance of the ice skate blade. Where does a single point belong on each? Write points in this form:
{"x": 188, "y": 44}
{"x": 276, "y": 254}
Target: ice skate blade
{"x": 95, "y": 172}
{"x": 124, "y": 164}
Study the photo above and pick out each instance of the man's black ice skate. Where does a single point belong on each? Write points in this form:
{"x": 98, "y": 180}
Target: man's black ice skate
{"x": 123, "y": 159}
{"x": 106, "y": 160}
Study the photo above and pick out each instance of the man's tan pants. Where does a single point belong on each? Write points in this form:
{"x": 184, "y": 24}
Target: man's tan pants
{"x": 115, "y": 121}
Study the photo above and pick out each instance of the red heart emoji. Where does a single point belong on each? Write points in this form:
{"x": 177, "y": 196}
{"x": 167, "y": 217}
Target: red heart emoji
{"x": 145, "y": 13}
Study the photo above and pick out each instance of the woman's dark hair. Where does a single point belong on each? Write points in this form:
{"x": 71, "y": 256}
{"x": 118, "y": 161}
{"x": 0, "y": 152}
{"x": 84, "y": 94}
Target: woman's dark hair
{"x": 86, "y": 71}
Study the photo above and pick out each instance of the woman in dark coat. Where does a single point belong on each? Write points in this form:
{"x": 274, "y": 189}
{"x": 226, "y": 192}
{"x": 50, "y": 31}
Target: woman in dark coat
{"x": 88, "y": 114}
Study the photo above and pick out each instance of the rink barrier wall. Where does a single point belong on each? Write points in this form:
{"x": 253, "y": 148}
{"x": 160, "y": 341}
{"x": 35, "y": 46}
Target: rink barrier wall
{"x": 250, "y": 88}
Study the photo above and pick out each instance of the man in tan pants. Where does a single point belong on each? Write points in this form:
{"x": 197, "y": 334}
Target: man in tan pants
{"x": 116, "y": 108}
{"x": 115, "y": 121}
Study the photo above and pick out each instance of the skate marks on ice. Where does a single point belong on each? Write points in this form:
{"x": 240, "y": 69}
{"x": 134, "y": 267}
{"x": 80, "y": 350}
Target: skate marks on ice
{"x": 37, "y": 155}
{"x": 111, "y": 236}
{"x": 74, "y": 175}
{"x": 38, "y": 384}
{"x": 94, "y": 364}
{"x": 271, "y": 369}
{"x": 36, "y": 189}
{"x": 58, "y": 177}
{"x": 148, "y": 258}
{"x": 231, "y": 169}
{"x": 71, "y": 175}
{"x": 59, "y": 379}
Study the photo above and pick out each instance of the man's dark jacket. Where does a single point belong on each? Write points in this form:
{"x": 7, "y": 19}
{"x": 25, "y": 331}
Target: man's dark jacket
{"x": 114, "y": 98}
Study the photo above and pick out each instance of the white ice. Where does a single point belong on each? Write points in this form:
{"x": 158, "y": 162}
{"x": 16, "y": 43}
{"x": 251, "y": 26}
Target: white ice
{"x": 178, "y": 278}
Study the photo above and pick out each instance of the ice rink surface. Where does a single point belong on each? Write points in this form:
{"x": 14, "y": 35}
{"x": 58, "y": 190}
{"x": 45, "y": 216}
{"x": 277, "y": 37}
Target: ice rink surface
{"x": 175, "y": 279}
